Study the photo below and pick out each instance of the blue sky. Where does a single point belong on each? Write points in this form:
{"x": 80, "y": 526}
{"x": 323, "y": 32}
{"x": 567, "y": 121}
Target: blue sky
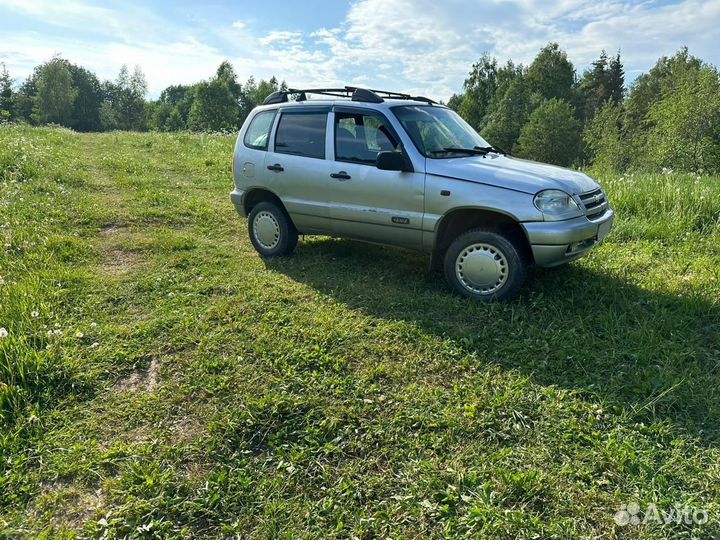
{"x": 419, "y": 46}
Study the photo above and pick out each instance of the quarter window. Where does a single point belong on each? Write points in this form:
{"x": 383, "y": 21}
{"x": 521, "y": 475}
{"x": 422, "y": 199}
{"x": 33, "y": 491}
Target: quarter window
{"x": 301, "y": 134}
{"x": 359, "y": 137}
{"x": 258, "y": 131}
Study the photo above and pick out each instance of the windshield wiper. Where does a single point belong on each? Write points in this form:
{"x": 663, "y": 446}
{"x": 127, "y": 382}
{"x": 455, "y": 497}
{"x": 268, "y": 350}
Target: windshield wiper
{"x": 477, "y": 151}
{"x": 493, "y": 149}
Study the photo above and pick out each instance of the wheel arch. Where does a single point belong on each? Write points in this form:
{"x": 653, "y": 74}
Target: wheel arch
{"x": 459, "y": 220}
{"x": 254, "y": 196}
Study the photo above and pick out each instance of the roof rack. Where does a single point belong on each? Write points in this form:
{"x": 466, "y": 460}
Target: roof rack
{"x": 352, "y": 92}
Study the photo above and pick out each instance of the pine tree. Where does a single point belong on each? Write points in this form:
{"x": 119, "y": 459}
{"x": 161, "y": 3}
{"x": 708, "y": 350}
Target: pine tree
{"x": 616, "y": 80}
{"x": 6, "y": 95}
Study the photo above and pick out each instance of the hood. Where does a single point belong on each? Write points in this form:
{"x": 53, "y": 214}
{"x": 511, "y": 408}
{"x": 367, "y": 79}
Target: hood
{"x": 512, "y": 173}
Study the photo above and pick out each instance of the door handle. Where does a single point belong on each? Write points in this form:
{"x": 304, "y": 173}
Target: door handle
{"x": 342, "y": 175}
{"x": 277, "y": 167}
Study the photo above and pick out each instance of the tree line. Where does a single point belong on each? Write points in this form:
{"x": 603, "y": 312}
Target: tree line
{"x": 60, "y": 92}
{"x": 669, "y": 118}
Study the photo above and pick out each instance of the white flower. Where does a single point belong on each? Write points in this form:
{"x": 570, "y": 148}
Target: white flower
{"x": 2, "y": 281}
{"x": 3, "y": 333}
{"x": 34, "y": 314}
{"x": 95, "y": 344}
{"x": 93, "y": 324}
{"x": 79, "y": 334}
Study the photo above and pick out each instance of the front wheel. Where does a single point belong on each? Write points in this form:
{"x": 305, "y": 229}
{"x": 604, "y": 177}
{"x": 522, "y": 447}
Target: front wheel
{"x": 271, "y": 232}
{"x": 484, "y": 265}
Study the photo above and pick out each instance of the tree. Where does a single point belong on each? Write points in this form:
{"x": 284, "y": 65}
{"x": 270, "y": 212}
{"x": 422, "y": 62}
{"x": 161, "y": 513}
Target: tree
{"x": 127, "y": 99}
{"x": 552, "y": 134}
{"x": 616, "y": 79}
{"x": 649, "y": 89}
{"x": 594, "y": 87}
{"x": 158, "y": 116}
{"x": 510, "y": 115}
{"x": 686, "y": 123}
{"x": 479, "y": 89}
{"x": 24, "y": 99}
{"x": 7, "y": 105}
{"x": 455, "y": 102}
{"x": 551, "y": 74}
{"x": 108, "y": 117}
{"x": 603, "y": 82}
{"x": 253, "y": 94}
{"x": 214, "y": 108}
{"x": 55, "y": 93}
{"x": 226, "y": 74}
{"x": 175, "y": 121}
{"x": 85, "y": 115}
{"x": 605, "y": 139}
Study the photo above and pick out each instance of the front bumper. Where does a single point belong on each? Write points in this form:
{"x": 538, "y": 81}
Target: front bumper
{"x": 559, "y": 242}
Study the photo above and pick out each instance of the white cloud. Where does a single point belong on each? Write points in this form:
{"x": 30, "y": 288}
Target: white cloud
{"x": 281, "y": 37}
{"x": 418, "y": 46}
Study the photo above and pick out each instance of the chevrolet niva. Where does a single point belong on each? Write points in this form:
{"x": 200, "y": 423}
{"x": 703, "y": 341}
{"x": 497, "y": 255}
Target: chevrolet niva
{"x": 395, "y": 169}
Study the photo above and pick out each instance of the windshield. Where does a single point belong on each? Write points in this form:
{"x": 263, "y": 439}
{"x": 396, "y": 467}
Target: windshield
{"x": 438, "y": 132}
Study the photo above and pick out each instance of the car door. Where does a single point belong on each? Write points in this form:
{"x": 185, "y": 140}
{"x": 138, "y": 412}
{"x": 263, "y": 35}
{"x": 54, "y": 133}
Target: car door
{"x": 296, "y": 167}
{"x": 368, "y": 203}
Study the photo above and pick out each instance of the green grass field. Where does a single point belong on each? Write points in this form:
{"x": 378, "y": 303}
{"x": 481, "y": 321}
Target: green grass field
{"x": 159, "y": 380}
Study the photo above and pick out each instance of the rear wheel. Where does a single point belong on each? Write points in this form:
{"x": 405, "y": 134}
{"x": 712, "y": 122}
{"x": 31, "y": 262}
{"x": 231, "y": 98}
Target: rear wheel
{"x": 271, "y": 232}
{"x": 484, "y": 265}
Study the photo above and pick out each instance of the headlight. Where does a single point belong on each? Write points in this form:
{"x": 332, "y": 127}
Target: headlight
{"x": 555, "y": 202}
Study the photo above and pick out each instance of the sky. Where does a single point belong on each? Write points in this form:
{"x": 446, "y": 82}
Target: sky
{"x": 419, "y": 46}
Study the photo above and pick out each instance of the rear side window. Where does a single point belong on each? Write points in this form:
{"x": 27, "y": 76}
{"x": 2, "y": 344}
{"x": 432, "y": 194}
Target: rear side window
{"x": 258, "y": 132}
{"x": 301, "y": 134}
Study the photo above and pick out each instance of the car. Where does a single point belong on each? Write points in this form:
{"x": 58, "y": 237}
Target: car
{"x": 402, "y": 170}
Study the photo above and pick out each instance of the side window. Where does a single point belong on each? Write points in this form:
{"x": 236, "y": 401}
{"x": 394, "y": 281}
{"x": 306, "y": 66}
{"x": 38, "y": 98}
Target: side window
{"x": 301, "y": 134}
{"x": 359, "y": 137}
{"x": 258, "y": 131}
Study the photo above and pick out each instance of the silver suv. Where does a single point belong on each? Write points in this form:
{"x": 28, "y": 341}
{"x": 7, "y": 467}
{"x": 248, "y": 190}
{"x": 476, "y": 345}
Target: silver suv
{"x": 400, "y": 170}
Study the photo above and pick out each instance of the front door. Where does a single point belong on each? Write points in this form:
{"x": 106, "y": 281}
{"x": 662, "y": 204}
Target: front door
{"x": 368, "y": 203}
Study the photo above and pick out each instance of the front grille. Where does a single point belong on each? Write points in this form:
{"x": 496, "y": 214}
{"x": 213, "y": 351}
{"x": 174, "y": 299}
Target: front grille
{"x": 594, "y": 203}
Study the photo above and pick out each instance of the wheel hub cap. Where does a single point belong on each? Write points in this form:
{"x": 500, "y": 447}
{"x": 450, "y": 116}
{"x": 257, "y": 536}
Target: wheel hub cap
{"x": 481, "y": 268}
{"x": 267, "y": 230}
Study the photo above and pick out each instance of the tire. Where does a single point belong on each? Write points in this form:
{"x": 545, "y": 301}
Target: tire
{"x": 271, "y": 232}
{"x": 485, "y": 265}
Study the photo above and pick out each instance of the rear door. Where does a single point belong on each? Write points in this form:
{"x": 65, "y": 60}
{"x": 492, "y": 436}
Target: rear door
{"x": 369, "y": 203}
{"x": 297, "y": 169}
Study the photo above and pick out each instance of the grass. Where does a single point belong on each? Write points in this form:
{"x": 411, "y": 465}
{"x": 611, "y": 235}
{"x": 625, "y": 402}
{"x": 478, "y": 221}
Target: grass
{"x": 159, "y": 380}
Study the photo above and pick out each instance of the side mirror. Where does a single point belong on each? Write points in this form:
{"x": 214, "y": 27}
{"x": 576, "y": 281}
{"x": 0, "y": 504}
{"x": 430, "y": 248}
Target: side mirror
{"x": 390, "y": 161}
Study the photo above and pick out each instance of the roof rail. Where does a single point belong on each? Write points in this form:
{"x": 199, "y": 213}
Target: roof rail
{"x": 352, "y": 92}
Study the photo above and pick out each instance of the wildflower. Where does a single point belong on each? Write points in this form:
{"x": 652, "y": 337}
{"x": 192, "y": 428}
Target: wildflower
{"x": 2, "y": 281}
{"x": 34, "y": 314}
{"x": 94, "y": 344}
{"x": 93, "y": 324}
{"x": 79, "y": 334}
{"x": 3, "y": 333}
